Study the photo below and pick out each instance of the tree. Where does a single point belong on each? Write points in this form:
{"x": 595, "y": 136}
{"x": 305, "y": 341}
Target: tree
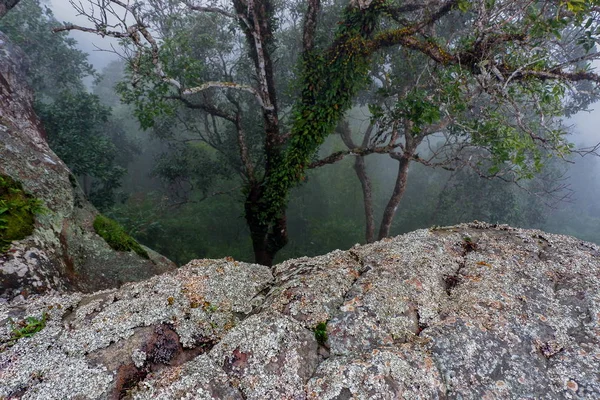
{"x": 78, "y": 127}
{"x": 55, "y": 64}
{"x": 75, "y": 124}
{"x": 508, "y": 50}
{"x": 412, "y": 104}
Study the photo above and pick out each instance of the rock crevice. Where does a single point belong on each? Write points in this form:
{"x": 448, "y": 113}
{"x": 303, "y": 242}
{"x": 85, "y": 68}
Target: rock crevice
{"x": 227, "y": 330}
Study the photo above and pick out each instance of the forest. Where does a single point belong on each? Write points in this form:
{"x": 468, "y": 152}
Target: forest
{"x": 270, "y": 130}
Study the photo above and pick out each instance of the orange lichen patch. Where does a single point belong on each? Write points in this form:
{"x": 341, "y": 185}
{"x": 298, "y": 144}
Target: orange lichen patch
{"x": 497, "y": 305}
{"x": 228, "y": 326}
{"x": 473, "y": 278}
{"x": 168, "y": 376}
{"x": 350, "y": 306}
{"x": 572, "y": 386}
{"x": 355, "y": 274}
{"x": 416, "y": 282}
{"x": 195, "y": 289}
{"x": 201, "y": 263}
{"x": 367, "y": 286}
{"x": 449, "y": 321}
{"x": 428, "y": 363}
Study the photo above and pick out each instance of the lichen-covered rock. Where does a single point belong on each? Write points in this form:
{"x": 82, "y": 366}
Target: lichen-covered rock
{"x": 105, "y": 343}
{"x": 472, "y": 311}
{"x": 63, "y": 252}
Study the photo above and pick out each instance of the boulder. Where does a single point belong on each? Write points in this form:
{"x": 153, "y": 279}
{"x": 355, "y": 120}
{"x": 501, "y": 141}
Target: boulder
{"x": 473, "y": 311}
{"x": 63, "y": 252}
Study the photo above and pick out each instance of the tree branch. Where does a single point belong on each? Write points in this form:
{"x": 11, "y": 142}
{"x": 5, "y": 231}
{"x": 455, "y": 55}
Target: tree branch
{"x": 310, "y": 24}
{"x": 228, "y": 85}
{"x": 216, "y": 10}
{"x": 359, "y": 151}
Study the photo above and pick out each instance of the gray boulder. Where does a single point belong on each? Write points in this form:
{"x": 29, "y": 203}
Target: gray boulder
{"x": 472, "y": 311}
{"x": 63, "y": 252}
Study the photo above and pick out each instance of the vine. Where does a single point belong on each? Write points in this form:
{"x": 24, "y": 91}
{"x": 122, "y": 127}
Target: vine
{"x": 329, "y": 82}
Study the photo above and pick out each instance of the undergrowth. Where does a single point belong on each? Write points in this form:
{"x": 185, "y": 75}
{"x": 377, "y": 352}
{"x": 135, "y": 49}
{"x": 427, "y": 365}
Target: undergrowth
{"x": 116, "y": 237}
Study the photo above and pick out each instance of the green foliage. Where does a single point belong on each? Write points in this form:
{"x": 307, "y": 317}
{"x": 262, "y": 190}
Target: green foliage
{"x": 26, "y": 328}
{"x": 467, "y": 197}
{"x": 194, "y": 165}
{"x": 321, "y": 333}
{"x": 418, "y": 109}
{"x": 17, "y": 212}
{"x": 212, "y": 228}
{"x": 55, "y": 62}
{"x": 75, "y": 124}
{"x": 330, "y": 80}
{"x": 116, "y": 237}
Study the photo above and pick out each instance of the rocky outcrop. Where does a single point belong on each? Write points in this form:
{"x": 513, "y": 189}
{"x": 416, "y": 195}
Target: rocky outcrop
{"x": 64, "y": 252}
{"x": 468, "y": 312}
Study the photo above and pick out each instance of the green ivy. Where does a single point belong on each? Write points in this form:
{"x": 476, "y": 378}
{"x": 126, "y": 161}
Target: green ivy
{"x": 330, "y": 80}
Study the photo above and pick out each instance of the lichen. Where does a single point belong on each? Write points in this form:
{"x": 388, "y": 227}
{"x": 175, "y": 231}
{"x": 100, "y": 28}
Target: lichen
{"x": 17, "y": 212}
{"x": 116, "y": 237}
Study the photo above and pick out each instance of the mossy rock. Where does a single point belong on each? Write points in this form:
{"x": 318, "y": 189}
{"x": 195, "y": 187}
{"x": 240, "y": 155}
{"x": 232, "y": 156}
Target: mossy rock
{"x": 17, "y": 212}
{"x": 116, "y": 237}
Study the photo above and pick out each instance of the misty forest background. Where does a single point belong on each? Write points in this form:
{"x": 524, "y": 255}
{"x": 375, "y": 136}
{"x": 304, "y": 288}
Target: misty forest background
{"x": 176, "y": 194}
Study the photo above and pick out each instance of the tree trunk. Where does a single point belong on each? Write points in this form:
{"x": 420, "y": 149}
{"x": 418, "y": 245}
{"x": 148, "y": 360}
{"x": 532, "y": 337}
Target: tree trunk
{"x": 434, "y": 216}
{"x": 399, "y": 189}
{"x": 267, "y": 237}
{"x": 361, "y": 173}
{"x": 365, "y": 182}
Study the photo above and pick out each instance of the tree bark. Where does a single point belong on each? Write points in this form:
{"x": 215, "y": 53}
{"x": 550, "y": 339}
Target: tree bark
{"x": 399, "y": 189}
{"x": 268, "y": 232}
{"x": 411, "y": 143}
{"x": 268, "y": 237}
{"x": 365, "y": 182}
{"x": 6, "y": 6}
{"x": 361, "y": 173}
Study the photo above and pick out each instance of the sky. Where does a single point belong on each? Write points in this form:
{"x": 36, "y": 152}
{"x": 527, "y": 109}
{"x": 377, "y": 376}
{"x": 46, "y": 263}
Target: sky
{"x": 586, "y": 124}
{"x": 64, "y": 12}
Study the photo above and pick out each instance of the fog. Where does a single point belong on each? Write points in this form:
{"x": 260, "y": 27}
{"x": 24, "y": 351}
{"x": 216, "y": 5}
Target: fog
{"x": 181, "y": 194}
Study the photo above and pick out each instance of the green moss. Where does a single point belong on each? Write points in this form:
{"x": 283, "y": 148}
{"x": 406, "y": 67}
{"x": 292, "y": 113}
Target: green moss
{"x": 321, "y": 333}
{"x": 116, "y": 237}
{"x": 17, "y": 212}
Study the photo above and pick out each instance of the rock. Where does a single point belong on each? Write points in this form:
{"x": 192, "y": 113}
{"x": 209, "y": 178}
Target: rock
{"x": 473, "y": 311}
{"x": 64, "y": 252}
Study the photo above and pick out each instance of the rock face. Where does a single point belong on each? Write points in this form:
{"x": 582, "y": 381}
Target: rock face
{"x": 63, "y": 252}
{"x": 467, "y": 312}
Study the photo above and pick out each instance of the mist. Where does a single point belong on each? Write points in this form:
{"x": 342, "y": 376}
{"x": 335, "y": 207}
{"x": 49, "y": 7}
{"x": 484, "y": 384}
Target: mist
{"x": 175, "y": 186}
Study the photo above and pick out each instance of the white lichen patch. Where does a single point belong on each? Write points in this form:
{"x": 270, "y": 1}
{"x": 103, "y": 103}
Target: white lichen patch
{"x": 510, "y": 313}
{"x": 79, "y": 325}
